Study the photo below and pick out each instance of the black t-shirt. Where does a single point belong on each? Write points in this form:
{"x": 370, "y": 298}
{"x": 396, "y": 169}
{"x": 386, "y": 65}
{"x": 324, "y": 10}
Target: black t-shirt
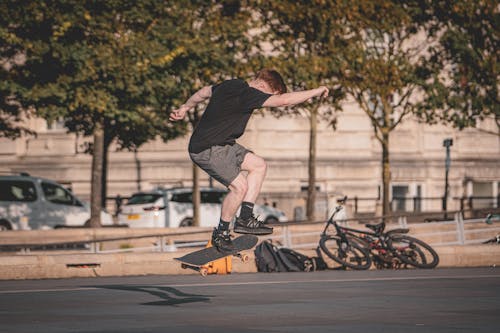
{"x": 227, "y": 114}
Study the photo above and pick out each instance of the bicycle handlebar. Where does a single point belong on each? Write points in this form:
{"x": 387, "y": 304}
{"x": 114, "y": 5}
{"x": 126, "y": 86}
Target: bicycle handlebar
{"x": 341, "y": 203}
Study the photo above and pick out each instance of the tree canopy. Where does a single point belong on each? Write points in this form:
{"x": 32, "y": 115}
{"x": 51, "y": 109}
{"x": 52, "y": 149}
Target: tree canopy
{"x": 87, "y": 62}
{"x": 100, "y": 66}
{"x": 466, "y": 90}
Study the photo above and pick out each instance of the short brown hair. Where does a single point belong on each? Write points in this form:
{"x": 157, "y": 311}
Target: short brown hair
{"x": 273, "y": 79}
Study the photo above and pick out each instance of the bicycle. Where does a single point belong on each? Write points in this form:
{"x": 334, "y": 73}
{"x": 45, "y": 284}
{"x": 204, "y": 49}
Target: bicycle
{"x": 391, "y": 249}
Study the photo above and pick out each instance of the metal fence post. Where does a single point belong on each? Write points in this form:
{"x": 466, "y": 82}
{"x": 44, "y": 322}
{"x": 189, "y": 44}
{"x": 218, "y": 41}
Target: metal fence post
{"x": 287, "y": 242}
{"x": 162, "y": 243}
{"x": 93, "y": 247}
{"x": 170, "y": 246}
{"x": 402, "y": 221}
{"x": 460, "y": 228}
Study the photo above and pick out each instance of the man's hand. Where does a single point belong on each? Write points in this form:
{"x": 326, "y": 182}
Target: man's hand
{"x": 324, "y": 91}
{"x": 179, "y": 113}
{"x": 198, "y": 97}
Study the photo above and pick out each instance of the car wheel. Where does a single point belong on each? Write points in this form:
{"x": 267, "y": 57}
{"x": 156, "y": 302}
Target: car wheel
{"x": 271, "y": 220}
{"x": 187, "y": 222}
{"x": 5, "y": 226}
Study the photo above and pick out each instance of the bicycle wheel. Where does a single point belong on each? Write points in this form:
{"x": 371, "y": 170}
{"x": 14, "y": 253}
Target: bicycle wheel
{"x": 413, "y": 251}
{"x": 348, "y": 254}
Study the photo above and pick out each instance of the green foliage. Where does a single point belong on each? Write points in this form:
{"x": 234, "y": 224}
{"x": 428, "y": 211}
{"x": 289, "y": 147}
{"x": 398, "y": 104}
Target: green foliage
{"x": 307, "y": 38}
{"x": 11, "y": 113}
{"x": 92, "y": 62}
{"x": 217, "y": 46}
{"x": 387, "y": 65}
{"x": 467, "y": 89}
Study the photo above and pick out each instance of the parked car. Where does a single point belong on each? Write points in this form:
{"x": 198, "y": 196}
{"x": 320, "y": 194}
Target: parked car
{"x": 36, "y": 203}
{"x": 173, "y": 208}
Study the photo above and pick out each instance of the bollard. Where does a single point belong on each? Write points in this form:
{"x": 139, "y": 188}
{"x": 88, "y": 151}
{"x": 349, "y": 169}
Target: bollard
{"x": 170, "y": 246}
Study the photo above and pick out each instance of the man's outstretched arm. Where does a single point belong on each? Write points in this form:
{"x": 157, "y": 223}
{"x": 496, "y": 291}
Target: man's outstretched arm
{"x": 198, "y": 97}
{"x": 296, "y": 97}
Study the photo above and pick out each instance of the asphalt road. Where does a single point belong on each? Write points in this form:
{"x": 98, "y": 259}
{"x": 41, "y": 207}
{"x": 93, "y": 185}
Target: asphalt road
{"x": 441, "y": 300}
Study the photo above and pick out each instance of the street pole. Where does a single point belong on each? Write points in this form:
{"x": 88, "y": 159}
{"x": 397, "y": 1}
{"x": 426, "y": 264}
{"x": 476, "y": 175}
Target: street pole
{"x": 447, "y": 143}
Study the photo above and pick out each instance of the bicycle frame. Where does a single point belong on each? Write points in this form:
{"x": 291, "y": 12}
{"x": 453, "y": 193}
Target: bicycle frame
{"x": 343, "y": 232}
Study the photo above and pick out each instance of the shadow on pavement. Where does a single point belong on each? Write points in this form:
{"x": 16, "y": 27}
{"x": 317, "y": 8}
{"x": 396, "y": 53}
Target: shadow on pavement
{"x": 170, "y": 296}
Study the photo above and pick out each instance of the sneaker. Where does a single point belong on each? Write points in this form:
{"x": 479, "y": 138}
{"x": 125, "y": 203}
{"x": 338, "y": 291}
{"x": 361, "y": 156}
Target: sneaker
{"x": 251, "y": 226}
{"x": 222, "y": 241}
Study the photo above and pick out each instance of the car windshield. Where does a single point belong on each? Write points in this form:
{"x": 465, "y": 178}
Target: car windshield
{"x": 57, "y": 194}
{"x": 143, "y": 198}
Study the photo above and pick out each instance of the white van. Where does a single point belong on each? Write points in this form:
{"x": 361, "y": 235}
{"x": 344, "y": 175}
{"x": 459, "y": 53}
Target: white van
{"x": 36, "y": 203}
{"x": 173, "y": 208}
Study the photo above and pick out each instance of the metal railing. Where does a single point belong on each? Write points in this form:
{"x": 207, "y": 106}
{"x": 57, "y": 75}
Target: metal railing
{"x": 165, "y": 242}
{"x": 287, "y": 238}
{"x": 462, "y": 234}
{"x": 414, "y": 204}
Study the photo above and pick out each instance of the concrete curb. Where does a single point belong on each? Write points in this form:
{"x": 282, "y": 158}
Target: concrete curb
{"x": 45, "y": 266}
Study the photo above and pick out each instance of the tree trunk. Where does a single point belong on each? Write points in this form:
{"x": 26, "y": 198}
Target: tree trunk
{"x": 386, "y": 175}
{"x": 96, "y": 185}
{"x": 311, "y": 188}
{"x": 196, "y": 196}
{"x": 104, "y": 182}
{"x": 138, "y": 169}
{"x": 104, "y": 177}
{"x": 108, "y": 139}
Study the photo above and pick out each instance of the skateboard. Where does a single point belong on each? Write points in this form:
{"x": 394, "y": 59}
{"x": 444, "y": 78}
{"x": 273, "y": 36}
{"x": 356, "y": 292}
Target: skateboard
{"x": 196, "y": 260}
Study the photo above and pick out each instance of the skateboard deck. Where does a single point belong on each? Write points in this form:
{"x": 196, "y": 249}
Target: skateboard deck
{"x": 209, "y": 254}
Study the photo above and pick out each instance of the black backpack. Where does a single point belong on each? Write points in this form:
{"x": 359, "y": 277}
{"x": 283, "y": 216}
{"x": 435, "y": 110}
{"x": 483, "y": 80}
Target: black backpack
{"x": 267, "y": 259}
{"x": 298, "y": 262}
{"x": 295, "y": 261}
{"x": 271, "y": 259}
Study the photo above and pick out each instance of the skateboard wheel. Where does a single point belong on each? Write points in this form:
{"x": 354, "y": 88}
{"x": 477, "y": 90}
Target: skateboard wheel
{"x": 203, "y": 272}
{"x": 184, "y": 266}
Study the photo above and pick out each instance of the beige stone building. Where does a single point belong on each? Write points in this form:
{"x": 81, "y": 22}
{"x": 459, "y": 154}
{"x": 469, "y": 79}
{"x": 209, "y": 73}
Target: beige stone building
{"x": 348, "y": 163}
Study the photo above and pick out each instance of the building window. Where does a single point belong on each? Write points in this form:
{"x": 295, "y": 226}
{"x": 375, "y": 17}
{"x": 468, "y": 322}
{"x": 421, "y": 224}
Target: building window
{"x": 482, "y": 194}
{"x": 400, "y": 198}
{"x": 407, "y": 197}
{"x": 55, "y": 125}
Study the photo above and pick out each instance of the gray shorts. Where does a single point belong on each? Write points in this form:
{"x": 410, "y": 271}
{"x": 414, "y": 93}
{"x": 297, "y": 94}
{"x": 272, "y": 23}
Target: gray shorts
{"x": 223, "y": 163}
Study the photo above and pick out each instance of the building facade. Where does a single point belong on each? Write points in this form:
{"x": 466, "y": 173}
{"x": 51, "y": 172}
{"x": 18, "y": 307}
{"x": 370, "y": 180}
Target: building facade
{"x": 348, "y": 163}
